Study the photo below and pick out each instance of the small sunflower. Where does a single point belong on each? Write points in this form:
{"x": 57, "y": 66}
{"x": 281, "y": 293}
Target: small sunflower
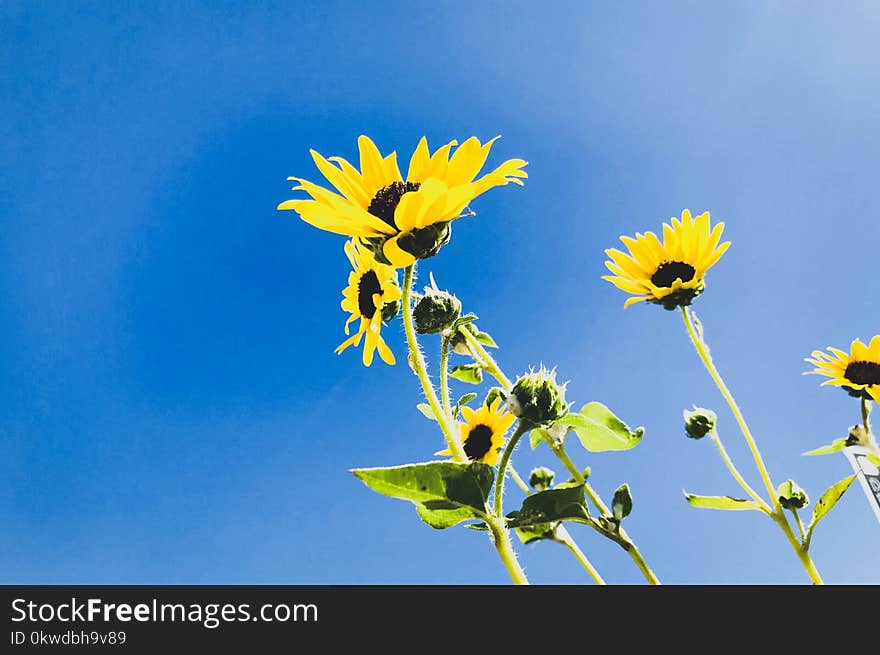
{"x": 373, "y": 296}
{"x": 857, "y": 372}
{"x": 482, "y": 434}
{"x": 399, "y": 219}
{"x": 670, "y": 273}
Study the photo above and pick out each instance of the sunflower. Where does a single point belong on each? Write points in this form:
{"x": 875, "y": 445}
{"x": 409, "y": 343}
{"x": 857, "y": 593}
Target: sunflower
{"x": 373, "y": 296}
{"x": 670, "y": 273}
{"x": 482, "y": 434}
{"x": 399, "y": 219}
{"x": 858, "y": 372}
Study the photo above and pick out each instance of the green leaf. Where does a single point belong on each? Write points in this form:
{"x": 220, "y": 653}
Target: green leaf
{"x": 426, "y": 410}
{"x": 834, "y": 447}
{"x": 470, "y": 373}
{"x": 536, "y": 437}
{"x": 622, "y": 503}
{"x": 492, "y": 395}
{"x": 445, "y": 493}
{"x": 462, "y": 402}
{"x": 829, "y": 500}
{"x": 462, "y": 320}
{"x": 532, "y": 533}
{"x": 444, "y": 518}
{"x": 486, "y": 339}
{"x": 720, "y": 502}
{"x": 874, "y": 459}
{"x": 600, "y": 430}
{"x": 558, "y": 504}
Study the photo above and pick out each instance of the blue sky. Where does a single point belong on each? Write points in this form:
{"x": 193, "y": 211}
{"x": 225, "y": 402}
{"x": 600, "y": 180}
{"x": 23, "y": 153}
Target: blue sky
{"x": 172, "y": 408}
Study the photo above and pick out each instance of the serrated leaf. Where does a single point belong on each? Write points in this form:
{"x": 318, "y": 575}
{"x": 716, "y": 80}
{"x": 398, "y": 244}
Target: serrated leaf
{"x": 721, "y": 502}
{"x": 599, "y": 430}
{"x": 562, "y": 503}
{"x": 486, "y": 339}
{"x": 445, "y": 493}
{"x": 470, "y": 373}
{"x": 834, "y": 447}
{"x": 828, "y": 500}
{"x": 426, "y": 411}
{"x": 622, "y": 504}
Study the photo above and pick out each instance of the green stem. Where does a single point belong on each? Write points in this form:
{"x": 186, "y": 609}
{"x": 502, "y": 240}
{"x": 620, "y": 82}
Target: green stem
{"x": 622, "y": 537}
{"x": 703, "y": 352}
{"x": 501, "y": 541}
{"x": 736, "y": 474}
{"x": 800, "y": 525}
{"x": 777, "y": 514}
{"x": 866, "y": 421}
{"x": 444, "y": 377}
{"x": 492, "y": 367}
{"x": 521, "y": 429}
{"x": 519, "y": 481}
{"x": 420, "y": 368}
{"x": 488, "y": 362}
{"x": 563, "y": 537}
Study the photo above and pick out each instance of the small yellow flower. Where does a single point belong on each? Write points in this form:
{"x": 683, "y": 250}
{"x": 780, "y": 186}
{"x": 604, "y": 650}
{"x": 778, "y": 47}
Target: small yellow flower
{"x": 399, "y": 219}
{"x": 857, "y": 372}
{"x": 670, "y": 273}
{"x": 373, "y": 296}
{"x": 482, "y": 434}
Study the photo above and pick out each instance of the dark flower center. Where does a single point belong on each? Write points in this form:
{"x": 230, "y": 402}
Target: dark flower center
{"x": 367, "y": 286}
{"x": 863, "y": 373}
{"x": 387, "y": 198}
{"x": 478, "y": 442}
{"x": 669, "y": 272}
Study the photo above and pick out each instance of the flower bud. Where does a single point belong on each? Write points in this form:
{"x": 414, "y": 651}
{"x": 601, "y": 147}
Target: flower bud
{"x": 791, "y": 496}
{"x": 699, "y": 423}
{"x": 435, "y": 311}
{"x": 541, "y": 478}
{"x": 537, "y": 398}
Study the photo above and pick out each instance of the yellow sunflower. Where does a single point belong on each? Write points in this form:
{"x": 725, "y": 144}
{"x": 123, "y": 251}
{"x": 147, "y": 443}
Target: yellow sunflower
{"x": 482, "y": 434}
{"x": 857, "y": 372}
{"x": 670, "y": 273}
{"x": 373, "y": 296}
{"x": 399, "y": 219}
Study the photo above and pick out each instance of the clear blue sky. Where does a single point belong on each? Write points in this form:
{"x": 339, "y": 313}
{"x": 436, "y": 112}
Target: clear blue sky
{"x": 172, "y": 410}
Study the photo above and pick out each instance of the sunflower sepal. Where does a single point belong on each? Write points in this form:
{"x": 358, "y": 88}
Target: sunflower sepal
{"x": 436, "y": 311}
{"x": 445, "y": 493}
{"x": 537, "y": 398}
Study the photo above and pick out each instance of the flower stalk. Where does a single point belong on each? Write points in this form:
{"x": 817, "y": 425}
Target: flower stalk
{"x": 776, "y": 513}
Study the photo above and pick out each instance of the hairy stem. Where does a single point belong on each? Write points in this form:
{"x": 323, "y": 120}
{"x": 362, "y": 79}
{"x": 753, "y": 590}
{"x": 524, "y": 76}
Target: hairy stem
{"x": 417, "y": 361}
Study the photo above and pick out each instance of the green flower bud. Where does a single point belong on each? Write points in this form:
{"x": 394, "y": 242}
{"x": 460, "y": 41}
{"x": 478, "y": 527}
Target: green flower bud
{"x": 435, "y": 311}
{"x": 791, "y": 496}
{"x": 390, "y": 310}
{"x": 541, "y": 478}
{"x": 699, "y": 423}
{"x": 421, "y": 242}
{"x": 537, "y": 398}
